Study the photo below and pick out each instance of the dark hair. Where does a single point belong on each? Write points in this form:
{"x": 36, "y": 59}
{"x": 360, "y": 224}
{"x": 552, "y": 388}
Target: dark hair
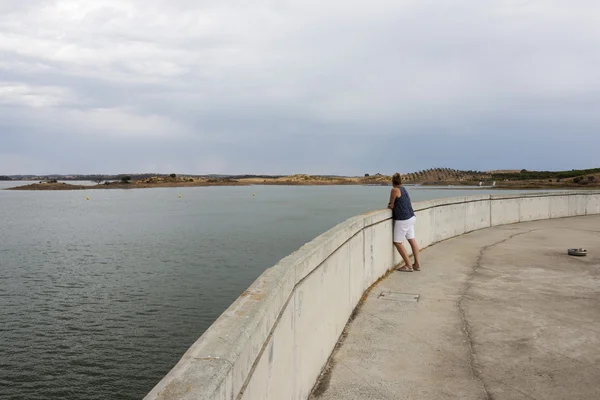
{"x": 397, "y": 179}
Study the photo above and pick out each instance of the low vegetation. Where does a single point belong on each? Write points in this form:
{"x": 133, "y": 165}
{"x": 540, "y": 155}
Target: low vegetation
{"x": 525, "y": 175}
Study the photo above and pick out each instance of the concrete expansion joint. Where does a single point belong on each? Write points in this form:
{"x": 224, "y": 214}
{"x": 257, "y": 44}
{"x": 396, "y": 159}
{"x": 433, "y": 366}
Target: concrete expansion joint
{"x": 466, "y": 327}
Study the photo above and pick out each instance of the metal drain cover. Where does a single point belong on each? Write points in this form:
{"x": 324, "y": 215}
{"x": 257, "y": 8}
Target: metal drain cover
{"x": 395, "y": 296}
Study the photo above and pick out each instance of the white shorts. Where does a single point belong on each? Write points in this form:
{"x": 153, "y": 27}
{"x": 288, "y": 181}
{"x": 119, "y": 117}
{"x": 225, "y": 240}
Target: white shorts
{"x": 404, "y": 229}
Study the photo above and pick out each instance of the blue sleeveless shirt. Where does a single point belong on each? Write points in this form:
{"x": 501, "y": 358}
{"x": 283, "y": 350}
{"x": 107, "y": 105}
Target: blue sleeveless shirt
{"x": 402, "y": 206}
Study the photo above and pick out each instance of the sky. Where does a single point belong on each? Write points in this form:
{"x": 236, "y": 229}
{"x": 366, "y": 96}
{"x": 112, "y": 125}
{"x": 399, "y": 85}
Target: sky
{"x": 342, "y": 87}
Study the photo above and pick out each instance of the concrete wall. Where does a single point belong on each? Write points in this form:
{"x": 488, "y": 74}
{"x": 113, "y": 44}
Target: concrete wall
{"x": 273, "y": 341}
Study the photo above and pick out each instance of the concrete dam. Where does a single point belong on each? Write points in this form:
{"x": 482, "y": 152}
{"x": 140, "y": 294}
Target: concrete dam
{"x": 274, "y": 342}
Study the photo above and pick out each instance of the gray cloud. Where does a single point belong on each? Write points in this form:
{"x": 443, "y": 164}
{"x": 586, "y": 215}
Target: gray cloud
{"x": 286, "y": 86}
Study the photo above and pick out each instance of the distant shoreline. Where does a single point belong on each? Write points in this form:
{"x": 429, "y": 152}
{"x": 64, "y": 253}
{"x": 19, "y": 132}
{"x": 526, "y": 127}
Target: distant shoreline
{"x": 442, "y": 178}
{"x": 514, "y": 185}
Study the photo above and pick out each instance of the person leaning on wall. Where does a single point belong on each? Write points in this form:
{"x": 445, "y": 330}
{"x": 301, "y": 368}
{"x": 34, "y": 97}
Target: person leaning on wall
{"x": 404, "y": 224}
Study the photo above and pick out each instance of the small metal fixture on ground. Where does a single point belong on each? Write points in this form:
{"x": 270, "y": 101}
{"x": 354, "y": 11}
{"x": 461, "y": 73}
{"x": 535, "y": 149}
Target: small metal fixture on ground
{"x": 577, "y": 252}
{"x": 395, "y": 296}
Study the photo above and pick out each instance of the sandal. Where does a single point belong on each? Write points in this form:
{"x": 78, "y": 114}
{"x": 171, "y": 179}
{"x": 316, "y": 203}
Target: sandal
{"x": 415, "y": 268}
{"x": 404, "y": 269}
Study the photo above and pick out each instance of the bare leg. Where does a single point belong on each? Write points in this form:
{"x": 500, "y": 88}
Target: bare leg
{"x": 403, "y": 254}
{"x": 415, "y": 250}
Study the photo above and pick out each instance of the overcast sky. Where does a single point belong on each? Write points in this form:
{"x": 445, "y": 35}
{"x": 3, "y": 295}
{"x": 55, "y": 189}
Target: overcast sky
{"x": 331, "y": 87}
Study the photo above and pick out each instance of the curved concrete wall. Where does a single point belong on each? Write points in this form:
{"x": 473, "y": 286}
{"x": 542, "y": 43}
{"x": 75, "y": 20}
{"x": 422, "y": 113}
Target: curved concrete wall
{"x": 273, "y": 341}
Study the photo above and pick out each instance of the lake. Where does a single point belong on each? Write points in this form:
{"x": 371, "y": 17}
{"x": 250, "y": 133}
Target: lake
{"x": 99, "y": 299}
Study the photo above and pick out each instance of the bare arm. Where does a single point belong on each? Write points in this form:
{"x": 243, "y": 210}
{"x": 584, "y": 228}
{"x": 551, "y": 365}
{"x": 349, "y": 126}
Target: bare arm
{"x": 393, "y": 195}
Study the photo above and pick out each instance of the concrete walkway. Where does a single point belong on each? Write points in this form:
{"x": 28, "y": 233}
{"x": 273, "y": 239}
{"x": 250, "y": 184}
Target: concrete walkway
{"x": 502, "y": 313}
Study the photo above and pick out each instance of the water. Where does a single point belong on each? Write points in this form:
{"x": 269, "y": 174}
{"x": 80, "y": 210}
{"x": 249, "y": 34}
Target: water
{"x": 99, "y": 299}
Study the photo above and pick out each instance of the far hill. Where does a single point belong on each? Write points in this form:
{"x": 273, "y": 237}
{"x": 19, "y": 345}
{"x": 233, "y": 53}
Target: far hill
{"x": 505, "y": 178}
{"x": 433, "y": 176}
{"x": 509, "y": 179}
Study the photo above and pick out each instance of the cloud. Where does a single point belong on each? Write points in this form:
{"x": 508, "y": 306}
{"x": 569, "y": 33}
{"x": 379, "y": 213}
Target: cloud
{"x": 289, "y": 74}
{"x": 43, "y": 107}
{"x": 121, "y": 122}
{"x": 22, "y": 94}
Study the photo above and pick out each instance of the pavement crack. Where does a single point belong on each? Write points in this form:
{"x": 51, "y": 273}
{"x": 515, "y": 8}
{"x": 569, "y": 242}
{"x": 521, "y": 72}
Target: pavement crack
{"x": 466, "y": 326}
